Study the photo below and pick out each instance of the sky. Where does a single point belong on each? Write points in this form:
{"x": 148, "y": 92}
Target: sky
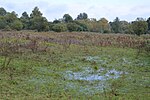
{"x": 127, "y": 10}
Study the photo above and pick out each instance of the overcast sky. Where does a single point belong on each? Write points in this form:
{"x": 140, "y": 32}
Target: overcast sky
{"x": 110, "y": 9}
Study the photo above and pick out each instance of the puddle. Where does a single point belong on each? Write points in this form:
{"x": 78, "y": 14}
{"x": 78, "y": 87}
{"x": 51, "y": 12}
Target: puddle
{"x": 89, "y": 74}
{"x": 92, "y": 81}
{"x": 82, "y": 79}
{"x": 97, "y": 59}
{"x": 90, "y": 58}
{"x": 87, "y": 80}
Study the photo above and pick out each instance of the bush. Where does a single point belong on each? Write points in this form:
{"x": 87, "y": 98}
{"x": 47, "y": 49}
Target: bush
{"x": 17, "y": 25}
{"x": 59, "y": 28}
{"x": 3, "y": 22}
{"x": 139, "y": 27}
{"x": 7, "y": 28}
{"x": 73, "y": 27}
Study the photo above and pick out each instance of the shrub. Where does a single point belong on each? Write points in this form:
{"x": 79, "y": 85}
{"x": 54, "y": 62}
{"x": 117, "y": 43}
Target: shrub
{"x": 17, "y": 25}
{"x": 59, "y": 28}
{"x": 73, "y": 27}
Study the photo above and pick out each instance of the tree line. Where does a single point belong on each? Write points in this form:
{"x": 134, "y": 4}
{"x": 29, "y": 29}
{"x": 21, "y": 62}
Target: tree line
{"x": 36, "y": 21}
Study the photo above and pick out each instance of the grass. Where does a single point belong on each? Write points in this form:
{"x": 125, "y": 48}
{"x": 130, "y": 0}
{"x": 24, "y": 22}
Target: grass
{"x": 41, "y": 75}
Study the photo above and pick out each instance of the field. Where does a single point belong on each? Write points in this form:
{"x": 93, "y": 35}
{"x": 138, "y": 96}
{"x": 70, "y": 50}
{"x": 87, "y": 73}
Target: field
{"x": 72, "y": 66}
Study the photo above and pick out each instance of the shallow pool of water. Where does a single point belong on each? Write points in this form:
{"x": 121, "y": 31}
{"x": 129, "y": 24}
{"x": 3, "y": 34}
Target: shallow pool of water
{"x": 89, "y": 74}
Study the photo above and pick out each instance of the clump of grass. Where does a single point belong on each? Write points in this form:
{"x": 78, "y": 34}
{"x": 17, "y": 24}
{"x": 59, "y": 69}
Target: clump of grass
{"x": 96, "y": 67}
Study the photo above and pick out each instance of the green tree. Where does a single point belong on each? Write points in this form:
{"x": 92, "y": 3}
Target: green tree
{"x": 116, "y": 26}
{"x": 82, "y": 16}
{"x": 38, "y": 22}
{"x": 36, "y": 12}
{"x": 67, "y": 18}
{"x": 148, "y": 21}
{"x": 56, "y": 21}
{"x": 124, "y": 26}
{"x": 16, "y": 25}
{"x": 83, "y": 25}
{"x": 2, "y": 12}
{"x": 25, "y": 20}
{"x": 59, "y": 27}
{"x": 3, "y": 22}
{"x": 10, "y": 17}
{"x": 140, "y": 26}
{"x": 94, "y": 25}
{"x": 73, "y": 27}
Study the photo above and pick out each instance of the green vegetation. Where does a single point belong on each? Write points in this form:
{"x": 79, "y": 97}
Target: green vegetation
{"x": 59, "y": 27}
{"x": 50, "y": 65}
{"x": 70, "y": 59}
{"x": 140, "y": 27}
{"x": 36, "y": 21}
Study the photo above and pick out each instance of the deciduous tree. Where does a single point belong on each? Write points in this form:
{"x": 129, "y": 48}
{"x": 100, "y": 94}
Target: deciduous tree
{"x": 116, "y": 25}
{"x": 139, "y": 26}
{"x": 38, "y": 22}
{"x": 2, "y": 12}
{"x": 82, "y": 16}
{"x": 148, "y": 21}
{"x": 104, "y": 25}
{"x": 3, "y": 22}
{"x": 25, "y": 20}
{"x": 59, "y": 27}
{"x": 67, "y": 18}
{"x": 17, "y": 25}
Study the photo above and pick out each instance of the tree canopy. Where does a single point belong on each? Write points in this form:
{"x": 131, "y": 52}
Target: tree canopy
{"x": 2, "y": 12}
{"x": 82, "y": 16}
{"x": 67, "y": 18}
{"x": 36, "y": 21}
{"x": 139, "y": 26}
